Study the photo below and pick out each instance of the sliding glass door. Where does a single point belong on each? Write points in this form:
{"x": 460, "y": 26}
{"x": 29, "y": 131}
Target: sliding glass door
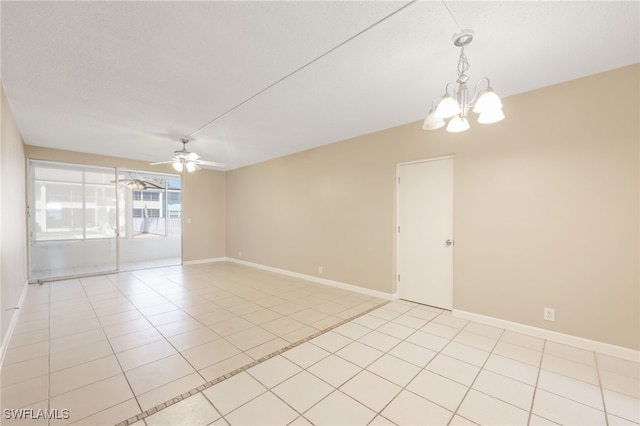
{"x": 72, "y": 218}
{"x": 150, "y": 220}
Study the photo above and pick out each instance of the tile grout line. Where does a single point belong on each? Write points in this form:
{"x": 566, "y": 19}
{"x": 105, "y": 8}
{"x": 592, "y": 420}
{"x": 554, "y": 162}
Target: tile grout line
{"x": 226, "y": 376}
{"x": 535, "y": 387}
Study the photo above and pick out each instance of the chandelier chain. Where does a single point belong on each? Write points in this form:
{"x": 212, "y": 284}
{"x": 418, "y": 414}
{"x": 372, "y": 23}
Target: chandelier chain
{"x": 463, "y": 66}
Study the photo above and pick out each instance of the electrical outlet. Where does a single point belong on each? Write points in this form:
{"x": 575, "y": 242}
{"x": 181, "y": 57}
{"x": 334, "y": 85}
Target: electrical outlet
{"x": 549, "y": 314}
{"x": 320, "y": 269}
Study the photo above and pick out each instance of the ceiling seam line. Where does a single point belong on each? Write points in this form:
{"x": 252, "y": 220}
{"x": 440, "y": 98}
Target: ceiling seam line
{"x": 255, "y": 95}
{"x": 452, "y": 17}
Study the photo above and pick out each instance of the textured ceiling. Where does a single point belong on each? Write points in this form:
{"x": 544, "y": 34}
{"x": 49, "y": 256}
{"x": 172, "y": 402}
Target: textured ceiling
{"x": 129, "y": 78}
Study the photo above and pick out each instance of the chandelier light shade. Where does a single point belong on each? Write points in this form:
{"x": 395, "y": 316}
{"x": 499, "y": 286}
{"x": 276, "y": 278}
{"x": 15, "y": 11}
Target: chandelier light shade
{"x": 455, "y": 103}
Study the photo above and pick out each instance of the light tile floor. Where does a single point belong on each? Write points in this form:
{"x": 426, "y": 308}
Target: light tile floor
{"x": 409, "y": 364}
{"x": 401, "y": 363}
{"x": 109, "y": 347}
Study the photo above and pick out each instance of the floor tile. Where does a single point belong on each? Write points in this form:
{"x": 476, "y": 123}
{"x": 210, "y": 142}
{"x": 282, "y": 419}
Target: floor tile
{"x": 428, "y": 340}
{"x": 302, "y": 391}
{"x": 83, "y": 374}
{"x": 359, "y": 354}
{"x": 505, "y": 389}
{"x": 193, "y": 411}
{"x": 577, "y": 370}
{"x": 338, "y": 408}
{"x": 274, "y": 371}
{"x": 413, "y": 354}
{"x": 305, "y": 354}
{"x": 158, "y": 373}
{"x": 352, "y": 330}
{"x": 466, "y": 353}
{"x": 454, "y": 369}
{"x": 82, "y": 402}
{"x": 331, "y": 341}
{"x": 519, "y": 353}
{"x": 486, "y": 410}
{"x": 334, "y": 370}
{"x": 370, "y": 321}
{"x": 135, "y": 339}
{"x": 394, "y": 369}
{"x": 570, "y": 352}
{"x": 27, "y": 392}
{"x": 438, "y": 389}
{"x": 210, "y": 353}
{"x": 565, "y": 411}
{"x": 193, "y": 338}
{"x": 230, "y": 394}
{"x": 251, "y": 337}
{"x": 573, "y": 389}
{"x": 524, "y": 340}
{"x": 169, "y": 391}
{"x": 225, "y": 366}
{"x": 622, "y": 384}
{"x": 25, "y": 370}
{"x": 410, "y": 409}
{"x": 266, "y": 409}
{"x": 476, "y": 340}
{"x": 371, "y": 390}
{"x": 622, "y": 405}
{"x": 145, "y": 354}
{"x": 59, "y": 347}
{"x": 513, "y": 369}
{"x": 111, "y": 415}
{"x": 380, "y": 341}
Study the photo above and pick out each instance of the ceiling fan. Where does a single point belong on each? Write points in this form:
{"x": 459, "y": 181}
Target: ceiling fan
{"x": 133, "y": 182}
{"x": 183, "y": 159}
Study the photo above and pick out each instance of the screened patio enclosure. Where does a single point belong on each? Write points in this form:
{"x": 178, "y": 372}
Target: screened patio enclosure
{"x": 86, "y": 220}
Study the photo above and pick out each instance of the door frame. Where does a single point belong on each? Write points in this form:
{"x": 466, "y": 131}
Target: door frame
{"x": 396, "y": 294}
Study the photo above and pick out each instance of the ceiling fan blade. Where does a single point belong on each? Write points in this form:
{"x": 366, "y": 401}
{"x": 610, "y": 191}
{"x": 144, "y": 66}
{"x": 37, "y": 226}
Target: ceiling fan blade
{"x": 209, "y": 163}
{"x": 148, "y": 184}
{"x": 162, "y": 162}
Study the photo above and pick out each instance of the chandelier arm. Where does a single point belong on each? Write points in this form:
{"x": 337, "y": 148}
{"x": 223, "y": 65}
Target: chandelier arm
{"x": 476, "y": 93}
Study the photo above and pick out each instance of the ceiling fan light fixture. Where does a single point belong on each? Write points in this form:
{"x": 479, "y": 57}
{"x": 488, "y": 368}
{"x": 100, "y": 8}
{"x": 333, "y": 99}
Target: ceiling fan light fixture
{"x": 191, "y": 166}
{"x": 178, "y": 166}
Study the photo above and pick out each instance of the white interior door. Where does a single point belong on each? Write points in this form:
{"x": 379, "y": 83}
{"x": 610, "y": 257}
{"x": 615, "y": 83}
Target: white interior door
{"x": 425, "y": 233}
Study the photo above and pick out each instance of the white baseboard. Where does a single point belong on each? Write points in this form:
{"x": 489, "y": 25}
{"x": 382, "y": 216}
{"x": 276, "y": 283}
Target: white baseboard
{"x": 567, "y": 339}
{"x": 344, "y": 286}
{"x": 12, "y": 324}
{"x": 199, "y": 261}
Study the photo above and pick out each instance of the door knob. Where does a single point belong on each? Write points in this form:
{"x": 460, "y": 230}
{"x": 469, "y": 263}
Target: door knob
{"x": 448, "y": 243}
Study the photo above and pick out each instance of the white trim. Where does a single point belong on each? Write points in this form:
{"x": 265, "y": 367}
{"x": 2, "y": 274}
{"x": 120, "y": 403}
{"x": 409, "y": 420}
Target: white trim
{"x": 199, "y": 261}
{"x": 567, "y": 339}
{"x": 12, "y": 324}
{"x": 344, "y": 286}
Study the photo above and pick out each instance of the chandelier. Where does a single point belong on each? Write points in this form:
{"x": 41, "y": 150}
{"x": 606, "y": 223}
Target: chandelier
{"x": 455, "y": 103}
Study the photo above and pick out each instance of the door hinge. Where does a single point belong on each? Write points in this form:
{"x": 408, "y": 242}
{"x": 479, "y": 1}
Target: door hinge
{"x": 398, "y": 180}
{"x": 398, "y": 229}
{"x": 398, "y": 277}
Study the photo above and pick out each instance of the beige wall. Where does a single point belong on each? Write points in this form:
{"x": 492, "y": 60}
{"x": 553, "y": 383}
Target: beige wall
{"x": 203, "y": 199}
{"x": 13, "y": 228}
{"x": 546, "y": 209}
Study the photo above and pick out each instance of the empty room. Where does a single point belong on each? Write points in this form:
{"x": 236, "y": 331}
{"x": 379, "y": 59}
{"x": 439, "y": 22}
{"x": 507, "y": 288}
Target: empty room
{"x": 320, "y": 213}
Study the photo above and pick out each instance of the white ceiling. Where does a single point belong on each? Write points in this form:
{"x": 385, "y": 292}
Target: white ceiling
{"x": 129, "y": 78}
